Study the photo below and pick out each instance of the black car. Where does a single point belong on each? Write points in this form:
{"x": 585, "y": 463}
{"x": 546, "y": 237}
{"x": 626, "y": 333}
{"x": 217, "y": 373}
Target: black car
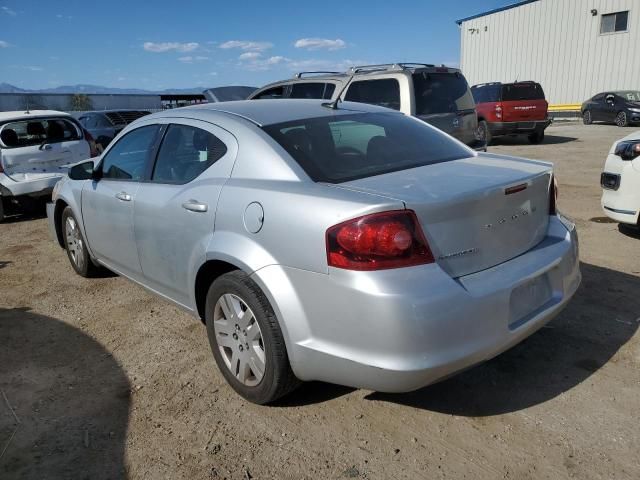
{"x": 620, "y": 107}
{"x": 104, "y": 125}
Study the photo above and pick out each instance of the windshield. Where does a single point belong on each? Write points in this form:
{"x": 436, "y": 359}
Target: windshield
{"x": 522, "y": 91}
{"x": 341, "y": 148}
{"x": 630, "y": 95}
{"x": 441, "y": 93}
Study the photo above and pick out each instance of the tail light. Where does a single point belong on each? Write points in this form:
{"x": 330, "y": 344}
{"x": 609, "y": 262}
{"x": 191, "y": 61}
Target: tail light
{"x": 378, "y": 241}
{"x": 498, "y": 111}
{"x": 92, "y": 143}
{"x": 553, "y": 196}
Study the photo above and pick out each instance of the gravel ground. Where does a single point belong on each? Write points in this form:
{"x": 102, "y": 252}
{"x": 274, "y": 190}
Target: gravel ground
{"x": 102, "y": 380}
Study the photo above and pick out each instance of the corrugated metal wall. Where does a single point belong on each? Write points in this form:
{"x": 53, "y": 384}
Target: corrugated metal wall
{"x": 22, "y": 101}
{"x": 557, "y": 43}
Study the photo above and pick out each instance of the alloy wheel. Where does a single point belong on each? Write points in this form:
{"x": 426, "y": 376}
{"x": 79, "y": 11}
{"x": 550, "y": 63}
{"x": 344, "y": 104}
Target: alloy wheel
{"x": 587, "y": 118}
{"x": 239, "y": 339}
{"x": 621, "y": 119}
{"x": 75, "y": 245}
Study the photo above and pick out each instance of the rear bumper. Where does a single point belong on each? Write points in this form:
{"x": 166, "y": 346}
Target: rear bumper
{"x": 514, "y": 128}
{"x": 399, "y": 330}
{"x": 34, "y": 188}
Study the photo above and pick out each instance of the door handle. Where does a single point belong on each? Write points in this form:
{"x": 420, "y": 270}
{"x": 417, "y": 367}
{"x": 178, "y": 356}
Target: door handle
{"x": 125, "y": 197}
{"x": 195, "y": 206}
{"x": 45, "y": 146}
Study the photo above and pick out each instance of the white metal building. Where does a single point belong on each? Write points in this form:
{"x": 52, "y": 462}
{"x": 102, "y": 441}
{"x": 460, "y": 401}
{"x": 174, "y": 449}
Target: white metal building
{"x": 573, "y": 48}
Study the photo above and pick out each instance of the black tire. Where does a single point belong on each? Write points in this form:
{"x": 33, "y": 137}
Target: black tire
{"x": 484, "y": 134}
{"x": 622, "y": 120}
{"x": 536, "y": 137}
{"x": 1, "y": 209}
{"x": 278, "y": 378}
{"x": 586, "y": 118}
{"x": 84, "y": 265}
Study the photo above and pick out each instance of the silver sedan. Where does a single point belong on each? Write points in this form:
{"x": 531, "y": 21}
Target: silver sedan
{"x": 352, "y": 245}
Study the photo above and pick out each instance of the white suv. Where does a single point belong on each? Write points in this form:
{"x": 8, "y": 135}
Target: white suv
{"x": 621, "y": 180}
{"x": 36, "y": 149}
{"x": 439, "y": 95}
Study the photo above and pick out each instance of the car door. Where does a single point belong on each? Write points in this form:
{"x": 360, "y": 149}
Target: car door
{"x": 175, "y": 211}
{"x": 108, "y": 203}
{"x": 609, "y": 108}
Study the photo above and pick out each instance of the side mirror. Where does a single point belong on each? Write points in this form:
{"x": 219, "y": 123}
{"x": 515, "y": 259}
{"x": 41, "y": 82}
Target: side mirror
{"x": 82, "y": 171}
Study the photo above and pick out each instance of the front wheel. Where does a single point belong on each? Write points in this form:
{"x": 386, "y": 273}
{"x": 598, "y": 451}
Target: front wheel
{"x": 536, "y": 137}
{"x": 621, "y": 119}
{"x": 76, "y": 246}
{"x": 586, "y": 118}
{"x": 246, "y": 340}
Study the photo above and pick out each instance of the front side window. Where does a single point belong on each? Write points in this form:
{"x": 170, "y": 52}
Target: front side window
{"x": 275, "y": 92}
{"x": 127, "y": 159}
{"x": 185, "y": 153}
{"x": 384, "y": 92}
{"x": 441, "y": 93}
{"x": 27, "y": 133}
{"x": 307, "y": 90}
{"x": 341, "y": 148}
{"x": 614, "y": 22}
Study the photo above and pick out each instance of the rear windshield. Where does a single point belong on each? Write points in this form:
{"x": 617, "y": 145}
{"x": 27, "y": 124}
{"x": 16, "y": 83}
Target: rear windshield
{"x": 340, "y": 148}
{"x": 441, "y": 93}
{"x": 38, "y": 131}
{"x": 522, "y": 91}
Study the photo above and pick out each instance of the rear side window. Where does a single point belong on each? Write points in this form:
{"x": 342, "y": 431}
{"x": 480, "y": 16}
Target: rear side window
{"x": 522, "y": 91}
{"x": 38, "y": 131}
{"x": 275, "y": 92}
{"x": 441, "y": 93}
{"x": 127, "y": 159}
{"x": 488, "y": 93}
{"x": 340, "y": 148}
{"x": 185, "y": 153}
{"x": 384, "y": 92}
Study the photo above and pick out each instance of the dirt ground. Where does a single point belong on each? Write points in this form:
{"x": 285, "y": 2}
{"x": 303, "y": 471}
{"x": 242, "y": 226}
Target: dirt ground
{"x": 102, "y": 380}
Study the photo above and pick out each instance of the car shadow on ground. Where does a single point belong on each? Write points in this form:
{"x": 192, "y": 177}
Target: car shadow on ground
{"x": 602, "y": 317}
{"x": 4, "y": 263}
{"x": 67, "y": 401}
{"x": 522, "y": 140}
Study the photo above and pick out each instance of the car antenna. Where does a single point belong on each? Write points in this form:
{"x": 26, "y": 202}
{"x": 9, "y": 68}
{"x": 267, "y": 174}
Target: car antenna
{"x": 334, "y": 105}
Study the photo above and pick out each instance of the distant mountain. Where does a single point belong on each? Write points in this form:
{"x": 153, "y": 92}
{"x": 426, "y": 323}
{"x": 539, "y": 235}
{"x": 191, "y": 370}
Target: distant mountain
{"x": 8, "y": 88}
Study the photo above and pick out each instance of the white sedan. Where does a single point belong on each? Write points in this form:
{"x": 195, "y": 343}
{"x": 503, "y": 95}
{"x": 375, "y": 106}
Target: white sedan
{"x": 621, "y": 180}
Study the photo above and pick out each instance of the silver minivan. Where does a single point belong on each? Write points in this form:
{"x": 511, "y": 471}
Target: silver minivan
{"x": 439, "y": 95}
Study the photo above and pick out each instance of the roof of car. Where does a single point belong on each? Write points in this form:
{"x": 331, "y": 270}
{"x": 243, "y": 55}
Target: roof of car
{"x": 267, "y": 112}
{"x": 25, "y": 115}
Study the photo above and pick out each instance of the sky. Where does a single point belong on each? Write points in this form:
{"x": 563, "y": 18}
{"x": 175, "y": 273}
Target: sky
{"x": 182, "y": 44}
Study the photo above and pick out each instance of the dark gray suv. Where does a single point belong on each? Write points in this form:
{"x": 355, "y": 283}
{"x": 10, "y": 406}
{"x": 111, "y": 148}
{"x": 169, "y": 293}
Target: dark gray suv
{"x": 437, "y": 95}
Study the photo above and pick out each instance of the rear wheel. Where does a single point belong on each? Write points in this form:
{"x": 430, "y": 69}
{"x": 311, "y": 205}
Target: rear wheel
{"x": 76, "y": 246}
{"x": 246, "y": 340}
{"x": 621, "y": 119}
{"x": 1, "y": 209}
{"x": 536, "y": 137}
{"x": 586, "y": 118}
{"x": 484, "y": 134}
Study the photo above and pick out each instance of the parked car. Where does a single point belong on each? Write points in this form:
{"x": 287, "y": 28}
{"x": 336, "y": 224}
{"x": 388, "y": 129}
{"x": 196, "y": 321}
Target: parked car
{"x": 620, "y": 181}
{"x": 355, "y": 245}
{"x": 437, "y": 95}
{"x": 518, "y": 108}
{"x": 104, "y": 125}
{"x": 620, "y": 107}
{"x": 228, "y": 94}
{"x": 36, "y": 149}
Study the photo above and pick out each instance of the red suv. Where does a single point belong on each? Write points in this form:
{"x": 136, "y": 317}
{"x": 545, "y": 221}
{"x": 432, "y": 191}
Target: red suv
{"x": 511, "y": 109}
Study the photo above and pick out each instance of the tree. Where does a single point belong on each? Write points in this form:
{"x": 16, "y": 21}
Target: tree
{"x": 80, "y": 102}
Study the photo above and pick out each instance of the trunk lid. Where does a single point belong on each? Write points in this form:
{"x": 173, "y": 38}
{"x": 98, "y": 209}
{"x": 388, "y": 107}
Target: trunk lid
{"x": 469, "y": 216}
